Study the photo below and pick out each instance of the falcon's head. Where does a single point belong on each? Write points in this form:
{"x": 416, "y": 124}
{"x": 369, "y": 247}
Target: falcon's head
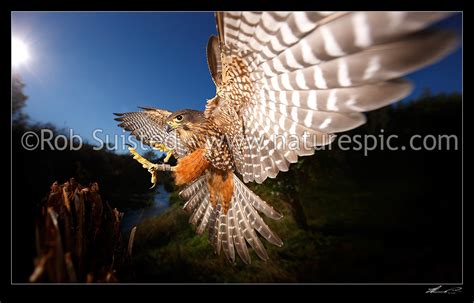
{"x": 185, "y": 121}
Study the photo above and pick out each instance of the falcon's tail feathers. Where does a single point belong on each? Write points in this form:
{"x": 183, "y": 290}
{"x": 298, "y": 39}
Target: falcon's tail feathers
{"x": 231, "y": 232}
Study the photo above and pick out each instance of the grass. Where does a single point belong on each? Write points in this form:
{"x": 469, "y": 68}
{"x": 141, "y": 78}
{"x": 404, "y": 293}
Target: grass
{"x": 355, "y": 234}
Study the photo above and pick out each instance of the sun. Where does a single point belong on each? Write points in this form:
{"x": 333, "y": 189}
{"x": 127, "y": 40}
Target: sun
{"x": 20, "y": 53}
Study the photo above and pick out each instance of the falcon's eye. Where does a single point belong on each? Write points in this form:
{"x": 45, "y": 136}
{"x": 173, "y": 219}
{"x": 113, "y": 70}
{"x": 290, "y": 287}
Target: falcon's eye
{"x": 178, "y": 118}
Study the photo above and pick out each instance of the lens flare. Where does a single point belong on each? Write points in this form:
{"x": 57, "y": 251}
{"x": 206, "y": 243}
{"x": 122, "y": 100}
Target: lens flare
{"x": 20, "y": 53}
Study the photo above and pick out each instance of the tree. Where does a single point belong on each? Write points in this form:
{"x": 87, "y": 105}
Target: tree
{"x": 18, "y": 99}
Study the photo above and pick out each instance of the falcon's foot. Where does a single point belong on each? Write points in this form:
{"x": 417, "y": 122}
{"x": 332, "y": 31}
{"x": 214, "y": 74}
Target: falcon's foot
{"x": 161, "y": 147}
{"x": 152, "y": 168}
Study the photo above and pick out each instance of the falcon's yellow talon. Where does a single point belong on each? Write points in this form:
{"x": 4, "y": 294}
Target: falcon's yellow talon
{"x": 162, "y": 148}
{"x": 152, "y": 167}
{"x": 145, "y": 164}
{"x": 159, "y": 146}
{"x": 168, "y": 156}
{"x": 154, "y": 178}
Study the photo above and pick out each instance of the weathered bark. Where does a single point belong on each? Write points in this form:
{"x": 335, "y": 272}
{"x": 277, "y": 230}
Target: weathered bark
{"x": 77, "y": 236}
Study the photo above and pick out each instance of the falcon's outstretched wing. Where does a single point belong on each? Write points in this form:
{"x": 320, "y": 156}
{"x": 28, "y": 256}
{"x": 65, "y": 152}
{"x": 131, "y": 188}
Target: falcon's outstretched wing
{"x": 282, "y": 74}
{"x": 148, "y": 126}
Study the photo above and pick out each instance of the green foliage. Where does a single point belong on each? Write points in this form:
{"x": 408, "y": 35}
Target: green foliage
{"x": 120, "y": 178}
{"x": 18, "y": 99}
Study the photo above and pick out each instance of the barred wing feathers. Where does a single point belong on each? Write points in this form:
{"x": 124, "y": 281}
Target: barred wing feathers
{"x": 148, "y": 126}
{"x": 317, "y": 72}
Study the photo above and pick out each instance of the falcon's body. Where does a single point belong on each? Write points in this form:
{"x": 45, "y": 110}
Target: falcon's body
{"x": 285, "y": 83}
{"x": 209, "y": 154}
{"x": 211, "y": 136}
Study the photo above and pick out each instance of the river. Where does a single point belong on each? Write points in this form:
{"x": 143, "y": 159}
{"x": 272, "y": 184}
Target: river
{"x": 134, "y": 217}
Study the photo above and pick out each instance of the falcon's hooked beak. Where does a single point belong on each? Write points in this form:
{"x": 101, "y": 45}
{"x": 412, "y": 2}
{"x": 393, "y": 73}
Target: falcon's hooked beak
{"x": 170, "y": 125}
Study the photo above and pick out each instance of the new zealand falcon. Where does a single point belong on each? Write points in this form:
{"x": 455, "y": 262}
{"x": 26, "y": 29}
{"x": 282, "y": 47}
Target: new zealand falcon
{"x": 285, "y": 83}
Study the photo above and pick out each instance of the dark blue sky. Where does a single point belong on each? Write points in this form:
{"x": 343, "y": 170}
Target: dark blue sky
{"x": 85, "y": 66}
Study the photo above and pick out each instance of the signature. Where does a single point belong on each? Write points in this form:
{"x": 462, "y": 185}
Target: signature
{"x": 437, "y": 290}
